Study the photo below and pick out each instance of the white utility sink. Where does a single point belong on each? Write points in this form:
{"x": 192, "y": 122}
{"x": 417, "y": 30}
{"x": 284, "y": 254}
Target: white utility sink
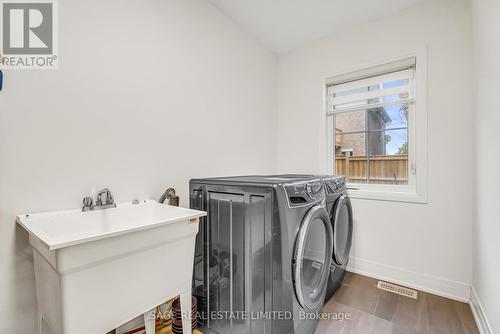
{"x": 96, "y": 270}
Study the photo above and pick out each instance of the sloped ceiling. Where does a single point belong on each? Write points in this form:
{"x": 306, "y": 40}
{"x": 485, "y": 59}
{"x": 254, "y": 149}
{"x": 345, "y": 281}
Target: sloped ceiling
{"x": 283, "y": 25}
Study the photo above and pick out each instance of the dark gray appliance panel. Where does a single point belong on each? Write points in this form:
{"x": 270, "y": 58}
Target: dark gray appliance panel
{"x": 226, "y": 240}
{"x": 233, "y": 259}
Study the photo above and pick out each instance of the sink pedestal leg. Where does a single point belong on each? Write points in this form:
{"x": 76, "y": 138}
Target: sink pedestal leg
{"x": 149, "y": 322}
{"x": 186, "y": 312}
{"x": 39, "y": 323}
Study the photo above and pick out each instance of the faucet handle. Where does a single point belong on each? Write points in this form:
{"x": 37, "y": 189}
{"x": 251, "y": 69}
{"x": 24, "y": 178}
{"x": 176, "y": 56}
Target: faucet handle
{"x": 88, "y": 203}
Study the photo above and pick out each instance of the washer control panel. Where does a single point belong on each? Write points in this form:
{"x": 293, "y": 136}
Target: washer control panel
{"x": 304, "y": 193}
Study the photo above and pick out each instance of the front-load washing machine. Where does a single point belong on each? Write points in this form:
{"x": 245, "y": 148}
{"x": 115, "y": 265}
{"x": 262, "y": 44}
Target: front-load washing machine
{"x": 339, "y": 210}
{"x": 264, "y": 250}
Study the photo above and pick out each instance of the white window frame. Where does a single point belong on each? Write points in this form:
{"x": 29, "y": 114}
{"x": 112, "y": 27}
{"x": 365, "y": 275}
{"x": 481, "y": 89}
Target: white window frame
{"x": 416, "y": 189}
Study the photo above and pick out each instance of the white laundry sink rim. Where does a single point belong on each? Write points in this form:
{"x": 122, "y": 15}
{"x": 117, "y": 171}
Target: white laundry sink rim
{"x": 59, "y": 229}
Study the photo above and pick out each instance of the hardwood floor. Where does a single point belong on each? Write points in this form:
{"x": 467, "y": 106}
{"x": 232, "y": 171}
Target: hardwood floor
{"x": 377, "y": 311}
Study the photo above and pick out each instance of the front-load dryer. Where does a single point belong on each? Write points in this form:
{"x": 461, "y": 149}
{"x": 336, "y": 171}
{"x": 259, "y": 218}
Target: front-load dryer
{"x": 339, "y": 210}
{"x": 264, "y": 249}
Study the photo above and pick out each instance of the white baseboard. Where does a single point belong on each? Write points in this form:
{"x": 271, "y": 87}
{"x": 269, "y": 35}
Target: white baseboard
{"x": 477, "y": 310}
{"x": 432, "y": 284}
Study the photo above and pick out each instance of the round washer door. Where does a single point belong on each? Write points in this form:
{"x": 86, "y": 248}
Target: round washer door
{"x": 313, "y": 251}
{"x": 342, "y": 230}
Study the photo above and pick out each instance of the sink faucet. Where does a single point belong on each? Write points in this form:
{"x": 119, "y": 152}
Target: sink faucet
{"x": 100, "y": 203}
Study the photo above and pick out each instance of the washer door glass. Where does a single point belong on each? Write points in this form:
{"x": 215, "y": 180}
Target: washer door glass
{"x": 312, "y": 257}
{"x": 342, "y": 230}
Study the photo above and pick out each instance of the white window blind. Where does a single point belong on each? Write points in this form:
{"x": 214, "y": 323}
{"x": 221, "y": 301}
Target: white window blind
{"x": 372, "y": 88}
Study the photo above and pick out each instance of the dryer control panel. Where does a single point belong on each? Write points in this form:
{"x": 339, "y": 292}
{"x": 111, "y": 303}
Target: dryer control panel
{"x": 304, "y": 193}
{"x": 335, "y": 185}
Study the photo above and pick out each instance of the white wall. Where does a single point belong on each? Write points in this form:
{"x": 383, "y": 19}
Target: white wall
{"x": 486, "y": 228}
{"x": 422, "y": 245}
{"x": 148, "y": 95}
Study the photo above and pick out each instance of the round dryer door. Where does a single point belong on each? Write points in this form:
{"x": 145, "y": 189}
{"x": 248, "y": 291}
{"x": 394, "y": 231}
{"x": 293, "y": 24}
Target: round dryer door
{"x": 313, "y": 251}
{"x": 342, "y": 230}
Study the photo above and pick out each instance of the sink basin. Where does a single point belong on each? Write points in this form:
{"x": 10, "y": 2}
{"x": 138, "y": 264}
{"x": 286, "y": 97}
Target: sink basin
{"x": 96, "y": 270}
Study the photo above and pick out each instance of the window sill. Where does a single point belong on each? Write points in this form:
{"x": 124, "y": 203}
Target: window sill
{"x": 392, "y": 194}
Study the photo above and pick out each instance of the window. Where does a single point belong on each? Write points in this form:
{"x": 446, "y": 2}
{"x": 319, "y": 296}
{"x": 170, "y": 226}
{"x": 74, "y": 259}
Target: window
{"x": 372, "y": 133}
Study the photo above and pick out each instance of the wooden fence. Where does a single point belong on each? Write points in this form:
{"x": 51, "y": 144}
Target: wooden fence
{"x": 384, "y": 169}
